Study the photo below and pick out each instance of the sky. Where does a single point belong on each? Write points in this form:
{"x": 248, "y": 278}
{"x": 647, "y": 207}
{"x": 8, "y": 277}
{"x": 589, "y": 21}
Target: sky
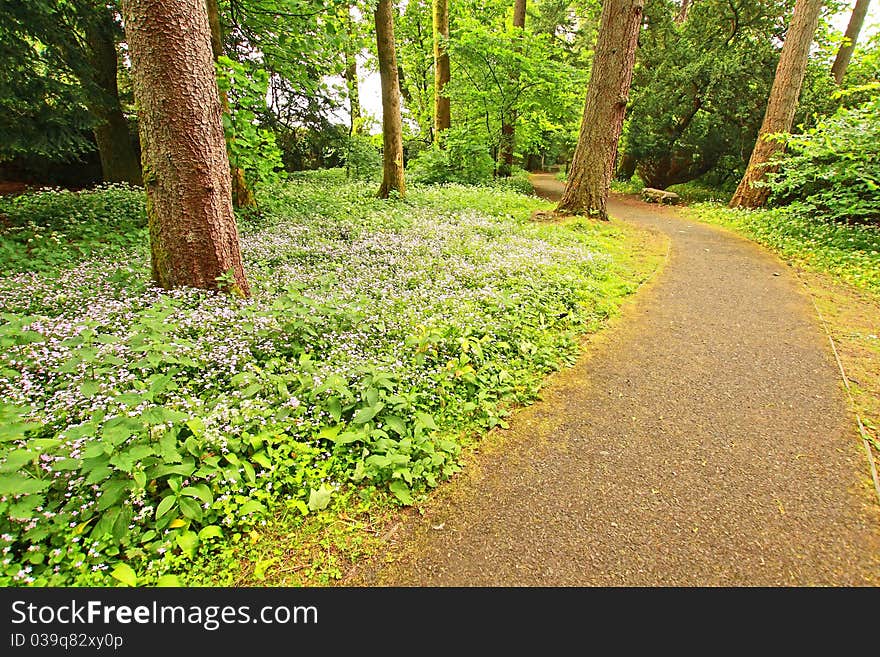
{"x": 371, "y": 95}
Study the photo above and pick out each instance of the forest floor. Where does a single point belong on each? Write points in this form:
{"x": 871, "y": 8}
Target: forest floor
{"x": 703, "y": 439}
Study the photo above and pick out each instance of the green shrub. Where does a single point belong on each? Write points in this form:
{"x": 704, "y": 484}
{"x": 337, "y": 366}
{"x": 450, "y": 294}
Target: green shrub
{"x": 833, "y": 170}
{"x": 463, "y": 160}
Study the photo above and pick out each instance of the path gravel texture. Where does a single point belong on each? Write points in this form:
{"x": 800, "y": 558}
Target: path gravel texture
{"x": 704, "y": 441}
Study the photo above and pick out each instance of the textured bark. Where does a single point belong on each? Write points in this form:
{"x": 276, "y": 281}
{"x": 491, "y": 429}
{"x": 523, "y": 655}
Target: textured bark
{"x": 844, "y": 53}
{"x": 392, "y": 131}
{"x": 242, "y": 195}
{"x": 442, "y": 117}
{"x": 781, "y": 105}
{"x": 508, "y": 121}
{"x": 193, "y": 237}
{"x": 589, "y": 177}
{"x": 119, "y": 157}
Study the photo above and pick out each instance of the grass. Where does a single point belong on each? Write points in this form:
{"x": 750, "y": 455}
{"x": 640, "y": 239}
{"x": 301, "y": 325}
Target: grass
{"x": 178, "y": 437}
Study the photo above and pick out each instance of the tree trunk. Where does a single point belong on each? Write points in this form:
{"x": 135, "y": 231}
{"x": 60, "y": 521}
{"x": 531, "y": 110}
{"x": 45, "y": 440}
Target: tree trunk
{"x": 508, "y": 120}
{"x": 682, "y": 15}
{"x": 119, "y": 157}
{"x": 442, "y": 118}
{"x": 589, "y": 177}
{"x": 844, "y": 54}
{"x": 351, "y": 75}
{"x": 781, "y": 105}
{"x": 193, "y": 237}
{"x": 392, "y": 129}
{"x": 242, "y": 195}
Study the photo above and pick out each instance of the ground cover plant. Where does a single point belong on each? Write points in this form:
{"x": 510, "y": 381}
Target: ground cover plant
{"x": 145, "y": 431}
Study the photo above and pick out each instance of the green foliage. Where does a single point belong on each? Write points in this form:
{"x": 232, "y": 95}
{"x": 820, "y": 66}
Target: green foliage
{"x": 463, "y": 160}
{"x": 252, "y": 148}
{"x": 53, "y": 228}
{"x": 700, "y": 88}
{"x": 832, "y": 171}
{"x": 145, "y": 434}
{"x": 851, "y": 252}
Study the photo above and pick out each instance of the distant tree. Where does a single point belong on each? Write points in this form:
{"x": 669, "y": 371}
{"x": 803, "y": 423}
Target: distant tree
{"x": 442, "y": 118}
{"x": 844, "y": 54}
{"x": 508, "y": 121}
{"x": 782, "y": 104}
{"x": 193, "y": 236}
{"x": 589, "y": 176}
{"x": 392, "y": 128}
{"x": 56, "y": 42}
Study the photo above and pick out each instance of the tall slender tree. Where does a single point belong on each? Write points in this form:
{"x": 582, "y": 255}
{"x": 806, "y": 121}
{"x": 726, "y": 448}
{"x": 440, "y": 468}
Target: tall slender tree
{"x": 442, "y": 117}
{"x": 392, "y": 128}
{"x": 193, "y": 236}
{"x": 781, "y": 105}
{"x": 508, "y": 121}
{"x": 351, "y": 71}
{"x": 589, "y": 177}
{"x": 844, "y": 53}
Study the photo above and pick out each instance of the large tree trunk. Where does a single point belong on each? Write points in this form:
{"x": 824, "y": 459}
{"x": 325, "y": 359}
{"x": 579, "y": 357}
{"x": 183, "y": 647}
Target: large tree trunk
{"x": 242, "y": 195}
{"x": 508, "y": 120}
{"x": 781, "y": 105}
{"x": 119, "y": 157}
{"x": 193, "y": 237}
{"x": 392, "y": 130}
{"x": 844, "y": 54}
{"x": 442, "y": 118}
{"x": 589, "y": 177}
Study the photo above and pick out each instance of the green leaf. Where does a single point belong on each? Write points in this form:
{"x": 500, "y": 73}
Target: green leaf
{"x": 190, "y": 508}
{"x": 188, "y": 542}
{"x": 334, "y": 408}
{"x": 251, "y": 506}
{"x": 200, "y": 491}
{"x": 320, "y": 499}
{"x": 366, "y": 414}
{"x": 396, "y": 424}
{"x": 210, "y": 531}
{"x": 168, "y": 581}
{"x": 330, "y": 433}
{"x": 426, "y": 421}
{"x": 401, "y": 491}
{"x": 263, "y": 459}
{"x": 125, "y": 574}
{"x": 16, "y": 484}
{"x": 165, "y": 505}
{"x": 89, "y": 388}
{"x": 17, "y": 458}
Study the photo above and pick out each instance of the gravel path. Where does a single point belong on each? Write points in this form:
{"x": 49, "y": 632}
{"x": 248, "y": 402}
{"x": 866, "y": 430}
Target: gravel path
{"x": 706, "y": 442}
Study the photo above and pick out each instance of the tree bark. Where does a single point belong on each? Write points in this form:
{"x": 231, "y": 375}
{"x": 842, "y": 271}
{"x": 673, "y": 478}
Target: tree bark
{"x": 119, "y": 157}
{"x": 242, "y": 195}
{"x": 392, "y": 129}
{"x": 442, "y": 117}
{"x": 589, "y": 177}
{"x": 193, "y": 236}
{"x": 844, "y": 53}
{"x": 781, "y": 105}
{"x": 681, "y": 17}
{"x": 508, "y": 121}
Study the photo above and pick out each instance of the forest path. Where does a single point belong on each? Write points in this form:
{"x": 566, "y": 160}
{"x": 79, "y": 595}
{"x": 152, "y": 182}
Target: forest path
{"x": 705, "y": 442}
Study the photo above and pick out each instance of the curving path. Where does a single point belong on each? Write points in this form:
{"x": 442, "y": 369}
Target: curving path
{"x": 706, "y": 443}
